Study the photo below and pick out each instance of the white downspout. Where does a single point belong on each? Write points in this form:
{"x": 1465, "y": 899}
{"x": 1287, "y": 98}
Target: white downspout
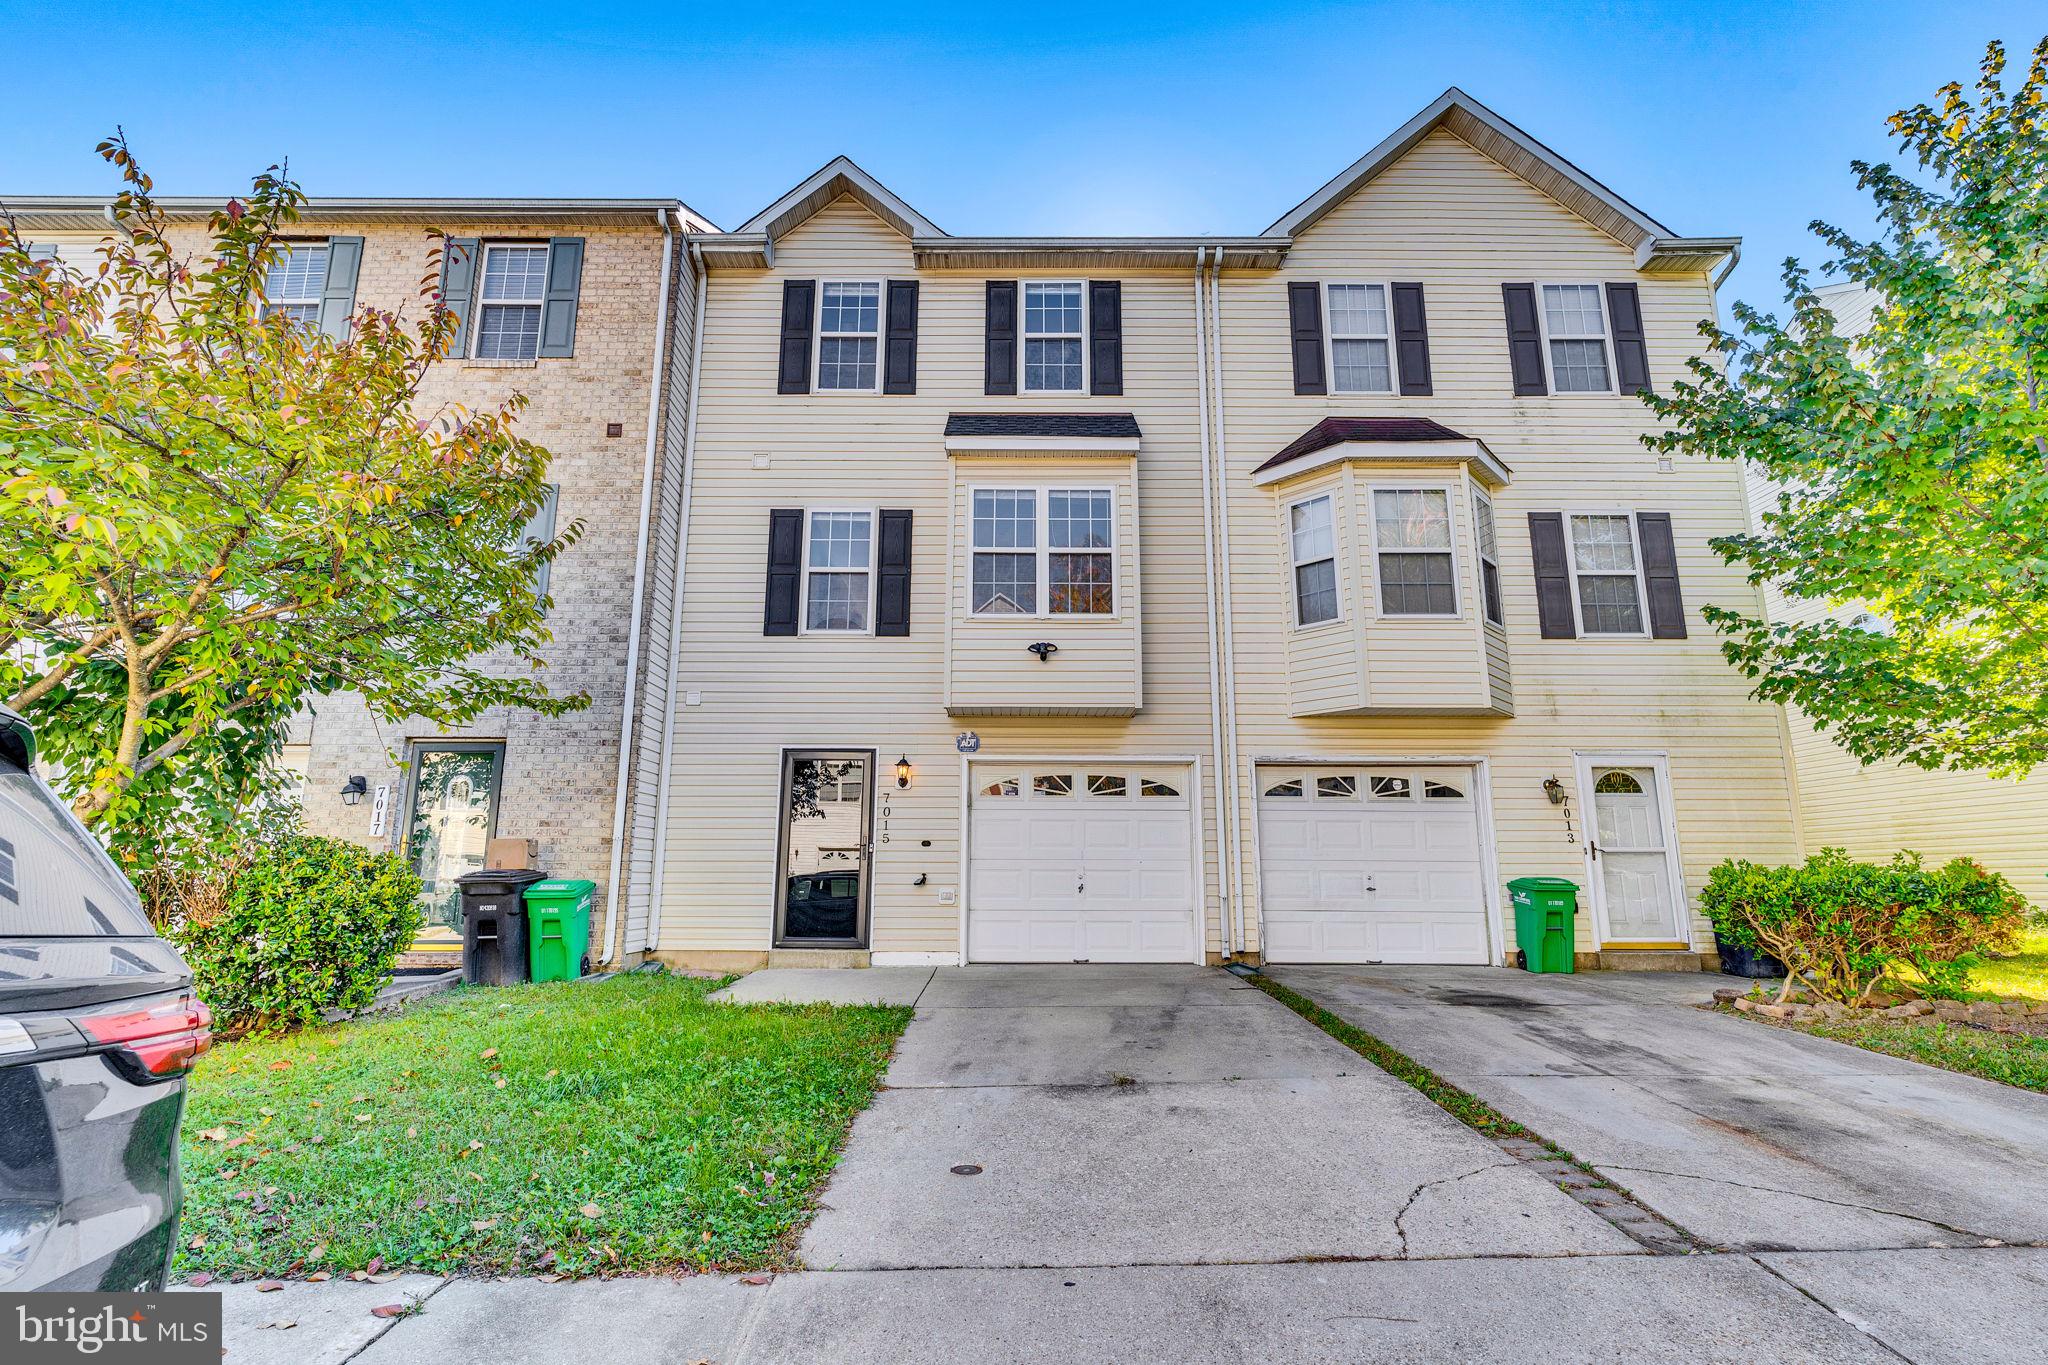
{"x": 1217, "y": 762}
{"x": 614, "y": 892}
{"x": 1229, "y": 661}
{"x": 675, "y": 623}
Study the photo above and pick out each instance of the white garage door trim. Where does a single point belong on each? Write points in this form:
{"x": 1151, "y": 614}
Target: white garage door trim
{"x": 1187, "y": 764}
{"x": 1480, "y": 773}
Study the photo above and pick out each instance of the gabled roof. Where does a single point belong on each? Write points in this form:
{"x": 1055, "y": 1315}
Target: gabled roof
{"x": 835, "y": 178}
{"x": 1472, "y": 122}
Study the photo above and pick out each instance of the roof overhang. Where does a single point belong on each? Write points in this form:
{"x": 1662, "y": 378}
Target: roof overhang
{"x": 89, "y": 213}
{"x": 1684, "y": 255}
{"x": 1006, "y": 253}
{"x": 1042, "y": 433}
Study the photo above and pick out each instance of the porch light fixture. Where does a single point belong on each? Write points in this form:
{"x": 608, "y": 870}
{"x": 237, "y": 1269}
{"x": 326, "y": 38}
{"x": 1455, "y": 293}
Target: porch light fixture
{"x": 903, "y": 771}
{"x": 1554, "y": 789}
{"x": 354, "y": 790}
{"x": 1044, "y": 649}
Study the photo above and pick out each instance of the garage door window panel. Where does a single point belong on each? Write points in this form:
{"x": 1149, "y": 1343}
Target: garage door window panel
{"x": 1386, "y": 788}
{"x": 1414, "y": 553}
{"x": 1152, "y": 787}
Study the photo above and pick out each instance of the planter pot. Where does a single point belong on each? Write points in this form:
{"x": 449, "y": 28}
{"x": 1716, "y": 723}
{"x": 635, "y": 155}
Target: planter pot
{"x": 1747, "y": 962}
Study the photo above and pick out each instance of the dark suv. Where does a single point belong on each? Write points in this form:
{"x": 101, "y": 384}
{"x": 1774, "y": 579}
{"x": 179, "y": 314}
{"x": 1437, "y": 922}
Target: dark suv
{"x": 98, "y": 1028}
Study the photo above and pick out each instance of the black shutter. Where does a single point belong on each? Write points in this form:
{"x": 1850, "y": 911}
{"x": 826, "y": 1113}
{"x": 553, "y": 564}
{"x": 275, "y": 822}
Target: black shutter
{"x": 1525, "y": 339}
{"x": 1631, "y": 352}
{"x": 785, "y": 570}
{"x": 1106, "y": 336}
{"x": 1305, "y": 326}
{"x": 1411, "y": 340}
{"x": 1660, "y": 575}
{"x": 793, "y": 369}
{"x": 892, "y": 563}
{"x": 1553, "y": 578}
{"x": 899, "y": 363}
{"x": 999, "y": 369}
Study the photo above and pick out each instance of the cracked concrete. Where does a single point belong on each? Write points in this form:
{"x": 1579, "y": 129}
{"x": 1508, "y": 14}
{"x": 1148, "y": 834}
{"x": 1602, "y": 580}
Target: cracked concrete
{"x": 1749, "y": 1137}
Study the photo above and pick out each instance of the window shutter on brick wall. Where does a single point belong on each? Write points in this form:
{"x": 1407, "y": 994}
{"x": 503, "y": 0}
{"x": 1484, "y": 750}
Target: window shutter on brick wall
{"x": 892, "y": 564}
{"x": 558, "y": 307}
{"x": 1105, "y": 336}
{"x": 338, "y": 294}
{"x": 1631, "y": 350}
{"x": 899, "y": 359}
{"x": 1525, "y": 339}
{"x": 785, "y": 570}
{"x": 1553, "y": 579}
{"x": 458, "y": 287}
{"x": 999, "y": 365}
{"x": 1660, "y": 575}
{"x": 539, "y": 530}
{"x": 1305, "y": 328}
{"x": 1411, "y": 340}
{"x": 793, "y": 362}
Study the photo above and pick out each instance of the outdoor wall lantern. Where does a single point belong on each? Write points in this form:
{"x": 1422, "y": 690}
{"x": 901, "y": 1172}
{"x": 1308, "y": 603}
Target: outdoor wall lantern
{"x": 1044, "y": 649}
{"x": 1554, "y": 789}
{"x": 903, "y": 771}
{"x": 354, "y": 790}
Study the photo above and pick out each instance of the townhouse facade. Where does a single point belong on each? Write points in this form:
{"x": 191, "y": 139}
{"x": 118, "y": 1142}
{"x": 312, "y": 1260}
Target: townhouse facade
{"x": 1183, "y": 599}
{"x": 585, "y": 308}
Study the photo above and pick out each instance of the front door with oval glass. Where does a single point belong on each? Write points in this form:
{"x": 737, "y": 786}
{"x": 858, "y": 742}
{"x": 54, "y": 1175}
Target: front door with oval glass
{"x": 826, "y": 842}
{"x": 1631, "y": 854}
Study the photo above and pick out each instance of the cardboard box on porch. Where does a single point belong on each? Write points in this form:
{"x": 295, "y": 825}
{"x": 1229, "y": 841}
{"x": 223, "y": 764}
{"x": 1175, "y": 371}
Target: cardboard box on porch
{"x": 508, "y": 855}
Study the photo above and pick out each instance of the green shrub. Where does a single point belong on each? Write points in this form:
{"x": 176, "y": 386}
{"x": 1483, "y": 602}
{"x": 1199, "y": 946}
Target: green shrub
{"x": 308, "y": 925}
{"x": 1844, "y": 925}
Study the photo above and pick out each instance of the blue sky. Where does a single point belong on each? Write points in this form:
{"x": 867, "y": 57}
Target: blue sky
{"x": 1049, "y": 117}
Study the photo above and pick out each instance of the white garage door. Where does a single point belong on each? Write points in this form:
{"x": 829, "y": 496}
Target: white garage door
{"x": 1374, "y": 864}
{"x": 1080, "y": 862}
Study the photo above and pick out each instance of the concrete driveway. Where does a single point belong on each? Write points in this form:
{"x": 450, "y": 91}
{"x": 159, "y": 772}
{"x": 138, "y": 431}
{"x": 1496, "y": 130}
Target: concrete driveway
{"x": 1750, "y": 1137}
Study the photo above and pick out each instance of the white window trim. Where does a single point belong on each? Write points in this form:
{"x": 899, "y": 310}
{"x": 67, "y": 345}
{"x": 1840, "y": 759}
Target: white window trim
{"x": 1025, "y": 336}
{"x": 319, "y": 289}
{"x": 803, "y": 609}
{"x": 1481, "y": 559}
{"x": 1044, "y": 553}
{"x": 477, "y": 305}
{"x": 819, "y": 334}
{"x": 1571, "y": 565}
{"x": 1606, "y": 339}
{"x": 1372, "y": 529}
{"x": 1294, "y": 565}
{"x": 1330, "y": 340}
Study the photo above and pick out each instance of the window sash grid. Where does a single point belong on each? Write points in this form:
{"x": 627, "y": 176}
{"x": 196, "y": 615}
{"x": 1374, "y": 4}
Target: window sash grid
{"x": 1578, "y": 353}
{"x": 1058, "y": 328}
{"x": 1439, "y": 589}
{"x": 1595, "y": 621}
{"x": 846, "y": 574}
{"x": 1363, "y": 328}
{"x": 853, "y": 340}
{"x": 1063, "y": 566}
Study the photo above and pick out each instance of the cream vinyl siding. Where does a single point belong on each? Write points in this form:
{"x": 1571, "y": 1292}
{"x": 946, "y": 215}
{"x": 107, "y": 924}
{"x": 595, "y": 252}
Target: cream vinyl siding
{"x": 1875, "y": 811}
{"x": 1449, "y": 217}
{"x": 1325, "y": 665}
{"x": 760, "y": 693}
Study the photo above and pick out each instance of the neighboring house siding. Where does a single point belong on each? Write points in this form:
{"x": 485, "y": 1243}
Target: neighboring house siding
{"x": 1875, "y": 810}
{"x": 1451, "y": 218}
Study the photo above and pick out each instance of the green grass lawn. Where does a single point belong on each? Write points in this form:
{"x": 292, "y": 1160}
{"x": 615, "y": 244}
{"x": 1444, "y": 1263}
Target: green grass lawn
{"x": 623, "y": 1125}
{"x": 2023, "y": 975}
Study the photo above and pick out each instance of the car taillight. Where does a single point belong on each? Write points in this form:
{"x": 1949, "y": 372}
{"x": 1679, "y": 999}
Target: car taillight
{"x": 157, "y": 1043}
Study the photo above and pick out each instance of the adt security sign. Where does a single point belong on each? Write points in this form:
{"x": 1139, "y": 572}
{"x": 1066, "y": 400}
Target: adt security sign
{"x": 967, "y": 742}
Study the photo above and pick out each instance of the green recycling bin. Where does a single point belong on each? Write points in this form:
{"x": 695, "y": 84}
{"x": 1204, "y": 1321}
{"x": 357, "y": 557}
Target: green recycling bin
{"x": 1545, "y": 908}
{"x": 558, "y": 927}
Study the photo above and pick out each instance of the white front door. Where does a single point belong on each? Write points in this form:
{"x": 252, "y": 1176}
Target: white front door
{"x": 1634, "y": 879}
{"x": 1080, "y": 862}
{"x": 1371, "y": 864}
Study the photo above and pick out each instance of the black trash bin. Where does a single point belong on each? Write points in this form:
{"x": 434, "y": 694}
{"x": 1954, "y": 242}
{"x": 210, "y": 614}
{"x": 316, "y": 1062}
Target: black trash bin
{"x": 494, "y": 927}
{"x": 1753, "y": 963}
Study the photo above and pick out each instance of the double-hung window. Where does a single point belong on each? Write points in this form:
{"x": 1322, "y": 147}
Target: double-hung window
{"x": 1313, "y": 542}
{"x": 1489, "y": 557}
{"x": 1412, "y": 547}
{"x": 1044, "y": 552}
{"x": 838, "y": 572}
{"x": 515, "y": 277}
{"x": 1575, "y": 326}
{"x": 294, "y": 283}
{"x": 1361, "y": 349}
{"x": 1053, "y": 341}
{"x": 849, "y": 335}
{"x": 1606, "y": 573}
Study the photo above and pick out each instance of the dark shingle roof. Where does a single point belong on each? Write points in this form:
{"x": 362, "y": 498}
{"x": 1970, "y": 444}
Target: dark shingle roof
{"x": 1083, "y": 424}
{"x": 1337, "y": 430}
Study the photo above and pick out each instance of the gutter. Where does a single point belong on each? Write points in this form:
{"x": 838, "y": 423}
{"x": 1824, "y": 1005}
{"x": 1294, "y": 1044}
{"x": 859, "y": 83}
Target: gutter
{"x": 614, "y": 892}
{"x": 1235, "y": 942}
{"x": 675, "y": 624}
{"x": 1216, "y": 750}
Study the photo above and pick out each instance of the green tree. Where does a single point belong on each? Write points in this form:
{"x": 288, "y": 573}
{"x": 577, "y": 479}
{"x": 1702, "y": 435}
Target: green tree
{"x": 1912, "y": 460}
{"x": 210, "y": 512}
